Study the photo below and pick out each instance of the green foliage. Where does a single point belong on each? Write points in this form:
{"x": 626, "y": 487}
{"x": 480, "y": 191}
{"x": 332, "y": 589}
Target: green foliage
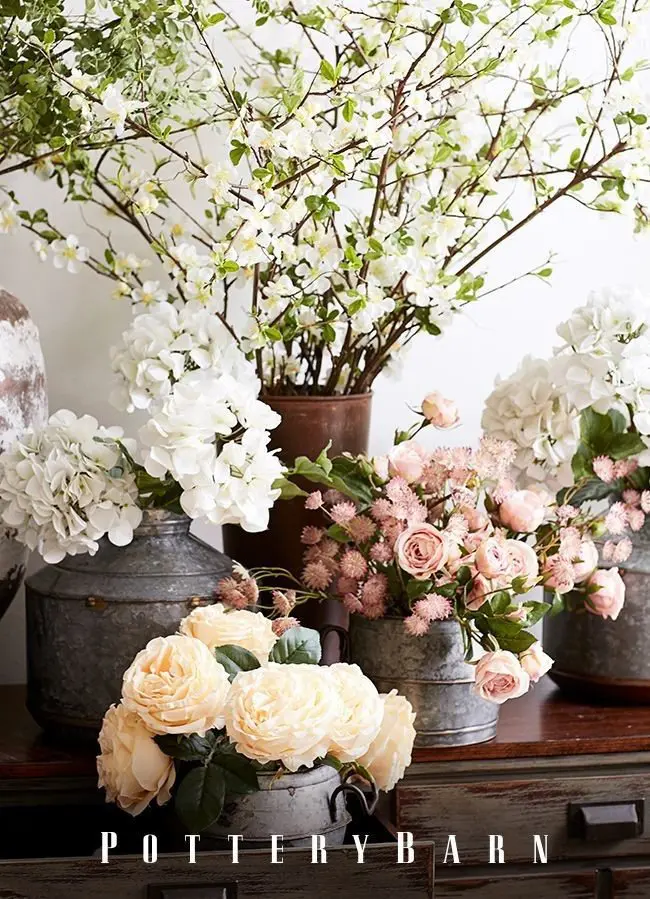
{"x": 297, "y": 646}
{"x": 235, "y": 659}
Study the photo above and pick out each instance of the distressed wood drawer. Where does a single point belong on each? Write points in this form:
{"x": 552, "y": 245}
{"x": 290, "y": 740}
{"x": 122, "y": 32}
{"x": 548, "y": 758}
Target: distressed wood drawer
{"x": 517, "y": 809}
{"x": 580, "y": 885}
{"x": 630, "y": 883}
{"x": 215, "y": 877}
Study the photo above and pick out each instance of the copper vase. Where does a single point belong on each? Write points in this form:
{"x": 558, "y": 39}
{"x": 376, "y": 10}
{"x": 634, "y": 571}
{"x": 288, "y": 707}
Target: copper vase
{"x": 308, "y": 424}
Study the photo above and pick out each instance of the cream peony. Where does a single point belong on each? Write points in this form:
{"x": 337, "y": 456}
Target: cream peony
{"x": 283, "y": 713}
{"x": 176, "y": 686}
{"x": 216, "y": 625}
{"x": 131, "y": 767}
{"x": 389, "y": 754}
{"x": 361, "y": 713}
{"x": 535, "y": 662}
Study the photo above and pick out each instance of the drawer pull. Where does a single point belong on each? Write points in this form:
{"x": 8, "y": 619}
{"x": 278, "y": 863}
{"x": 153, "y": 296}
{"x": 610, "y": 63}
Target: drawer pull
{"x": 606, "y": 822}
{"x": 217, "y": 891}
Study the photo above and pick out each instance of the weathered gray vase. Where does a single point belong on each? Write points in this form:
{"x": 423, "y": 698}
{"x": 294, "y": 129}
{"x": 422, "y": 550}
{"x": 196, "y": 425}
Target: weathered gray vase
{"x": 603, "y": 659}
{"x": 88, "y": 616}
{"x": 23, "y": 405}
{"x": 433, "y": 675}
{"x": 294, "y": 805}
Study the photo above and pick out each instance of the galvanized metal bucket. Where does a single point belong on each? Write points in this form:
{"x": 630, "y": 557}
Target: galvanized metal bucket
{"x": 603, "y": 659}
{"x": 88, "y": 616}
{"x": 294, "y": 805}
{"x": 433, "y": 675}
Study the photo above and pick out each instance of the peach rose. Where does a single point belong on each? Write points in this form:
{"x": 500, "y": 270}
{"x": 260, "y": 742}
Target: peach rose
{"x": 476, "y": 519}
{"x": 215, "y": 626}
{"x": 492, "y": 558}
{"x": 389, "y": 754}
{"x": 131, "y": 767}
{"x": 478, "y": 594}
{"x": 283, "y": 713}
{"x": 523, "y": 562}
{"x": 522, "y": 511}
{"x": 499, "y": 676}
{"x": 588, "y": 561}
{"x": 439, "y": 411}
{"x": 407, "y": 460}
{"x": 535, "y": 662}
{"x": 361, "y": 712}
{"x": 606, "y": 601}
{"x": 421, "y": 550}
{"x": 176, "y": 686}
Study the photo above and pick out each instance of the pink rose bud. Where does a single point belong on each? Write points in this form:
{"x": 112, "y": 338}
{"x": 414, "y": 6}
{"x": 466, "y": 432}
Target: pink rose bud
{"x": 499, "y": 676}
{"x": 421, "y": 550}
{"x": 535, "y": 662}
{"x": 492, "y": 558}
{"x": 380, "y": 464}
{"x": 522, "y": 511}
{"x": 407, "y": 460}
{"x": 439, "y": 411}
{"x": 588, "y": 561}
{"x": 478, "y": 594}
{"x": 607, "y": 601}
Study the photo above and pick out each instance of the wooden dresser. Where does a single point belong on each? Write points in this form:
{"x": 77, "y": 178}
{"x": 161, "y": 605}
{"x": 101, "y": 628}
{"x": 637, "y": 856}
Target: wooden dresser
{"x": 576, "y": 774}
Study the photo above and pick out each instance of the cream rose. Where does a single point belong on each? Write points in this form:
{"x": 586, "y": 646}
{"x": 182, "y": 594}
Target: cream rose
{"x": 176, "y": 686}
{"x": 523, "y": 562}
{"x": 492, "y": 558}
{"x": 588, "y": 561}
{"x": 131, "y": 767}
{"x": 407, "y": 460}
{"x": 609, "y": 597}
{"x": 389, "y": 754}
{"x": 283, "y": 713}
{"x": 360, "y": 716}
{"x": 499, "y": 676}
{"x": 522, "y": 511}
{"x": 535, "y": 662}
{"x": 421, "y": 550}
{"x": 439, "y": 411}
{"x": 216, "y": 625}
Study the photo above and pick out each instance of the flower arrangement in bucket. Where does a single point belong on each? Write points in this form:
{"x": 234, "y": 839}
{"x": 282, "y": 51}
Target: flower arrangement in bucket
{"x": 439, "y": 547}
{"x": 222, "y": 711}
{"x": 580, "y": 421}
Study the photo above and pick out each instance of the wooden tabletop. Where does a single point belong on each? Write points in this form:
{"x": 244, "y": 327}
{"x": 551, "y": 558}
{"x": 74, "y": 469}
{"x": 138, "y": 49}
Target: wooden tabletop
{"x": 542, "y": 723}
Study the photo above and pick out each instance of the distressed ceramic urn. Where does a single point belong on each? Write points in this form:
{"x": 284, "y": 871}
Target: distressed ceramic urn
{"x": 88, "y": 617}
{"x": 23, "y": 405}
{"x": 431, "y": 672}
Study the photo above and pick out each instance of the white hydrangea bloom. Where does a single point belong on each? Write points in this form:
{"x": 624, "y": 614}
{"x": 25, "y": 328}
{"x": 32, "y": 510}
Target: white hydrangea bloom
{"x": 68, "y": 485}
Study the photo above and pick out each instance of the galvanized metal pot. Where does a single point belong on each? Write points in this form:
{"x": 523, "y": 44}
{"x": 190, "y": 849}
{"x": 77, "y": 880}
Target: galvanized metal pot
{"x": 88, "y": 616}
{"x": 602, "y": 659}
{"x": 294, "y": 805}
{"x": 433, "y": 675}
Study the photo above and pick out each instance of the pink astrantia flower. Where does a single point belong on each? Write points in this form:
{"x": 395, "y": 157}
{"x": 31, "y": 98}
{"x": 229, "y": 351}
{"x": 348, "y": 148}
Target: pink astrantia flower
{"x": 381, "y": 509}
{"x": 282, "y": 625}
{"x": 381, "y": 552}
{"x": 311, "y": 535}
{"x": 284, "y": 601}
{"x": 237, "y": 592}
{"x": 632, "y": 498}
{"x": 416, "y": 626}
{"x": 353, "y": 564}
{"x": 645, "y": 501}
{"x": 346, "y": 585}
{"x": 635, "y": 519}
{"x": 375, "y": 588}
{"x": 559, "y": 574}
{"x": 352, "y": 604}
{"x": 433, "y": 607}
{"x": 343, "y": 513}
{"x": 314, "y": 500}
{"x": 566, "y": 513}
{"x": 604, "y": 469}
{"x": 570, "y": 543}
{"x": 608, "y": 550}
{"x": 361, "y": 529}
{"x": 317, "y": 576}
{"x": 622, "y": 550}
{"x": 625, "y": 467}
{"x": 616, "y": 520}
{"x": 457, "y": 527}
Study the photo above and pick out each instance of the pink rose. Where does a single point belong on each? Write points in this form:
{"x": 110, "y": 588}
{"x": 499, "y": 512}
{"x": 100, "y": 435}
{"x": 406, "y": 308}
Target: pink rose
{"x": 407, "y": 460}
{"x": 523, "y": 562}
{"x": 492, "y": 558}
{"x": 380, "y": 464}
{"x": 439, "y": 411}
{"x": 499, "y": 676}
{"x": 522, "y": 511}
{"x": 421, "y": 550}
{"x": 478, "y": 594}
{"x": 476, "y": 520}
{"x": 588, "y": 561}
{"x": 455, "y": 558}
{"x": 607, "y": 601}
{"x": 535, "y": 662}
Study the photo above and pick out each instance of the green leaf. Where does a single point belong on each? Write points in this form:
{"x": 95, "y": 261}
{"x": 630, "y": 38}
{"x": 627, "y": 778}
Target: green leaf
{"x": 333, "y": 762}
{"x": 499, "y": 603}
{"x": 348, "y": 110}
{"x": 328, "y": 71}
{"x": 535, "y": 611}
{"x": 235, "y": 659}
{"x": 288, "y": 489}
{"x": 238, "y": 772}
{"x": 416, "y": 588}
{"x": 338, "y": 533}
{"x": 200, "y": 796}
{"x": 188, "y": 747}
{"x": 517, "y": 642}
{"x": 298, "y": 646}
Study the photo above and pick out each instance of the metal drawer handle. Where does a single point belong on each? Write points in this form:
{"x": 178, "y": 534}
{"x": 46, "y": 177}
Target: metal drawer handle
{"x": 606, "y": 822}
{"x": 216, "y": 891}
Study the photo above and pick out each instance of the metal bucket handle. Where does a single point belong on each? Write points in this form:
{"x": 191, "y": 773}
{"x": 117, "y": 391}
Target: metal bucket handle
{"x": 368, "y": 799}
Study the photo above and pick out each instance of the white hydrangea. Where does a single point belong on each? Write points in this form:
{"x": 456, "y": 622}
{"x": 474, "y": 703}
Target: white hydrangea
{"x": 68, "y": 485}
